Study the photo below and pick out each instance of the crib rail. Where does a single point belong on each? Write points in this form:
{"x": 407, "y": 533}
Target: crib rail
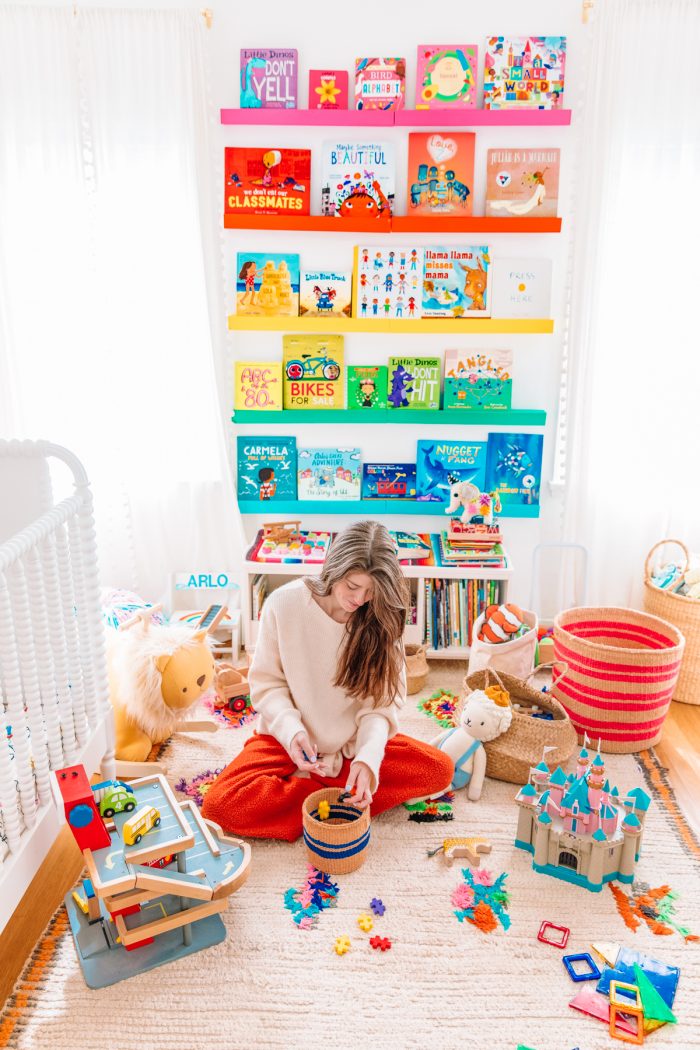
{"x": 53, "y": 681}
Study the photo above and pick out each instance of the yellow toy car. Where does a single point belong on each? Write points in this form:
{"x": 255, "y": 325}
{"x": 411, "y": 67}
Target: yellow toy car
{"x": 137, "y": 826}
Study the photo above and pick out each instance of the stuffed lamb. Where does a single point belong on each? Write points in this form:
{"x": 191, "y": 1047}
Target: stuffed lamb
{"x": 482, "y": 717}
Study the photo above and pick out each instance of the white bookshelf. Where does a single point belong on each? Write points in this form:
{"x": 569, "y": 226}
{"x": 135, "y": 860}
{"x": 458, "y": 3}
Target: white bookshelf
{"x": 279, "y": 574}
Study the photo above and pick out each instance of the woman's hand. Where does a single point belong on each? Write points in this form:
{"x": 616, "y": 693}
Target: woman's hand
{"x": 359, "y": 783}
{"x": 303, "y": 752}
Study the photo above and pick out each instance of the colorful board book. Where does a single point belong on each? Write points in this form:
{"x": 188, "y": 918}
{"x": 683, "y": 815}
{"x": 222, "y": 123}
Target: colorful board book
{"x": 367, "y": 387}
{"x": 514, "y": 468}
{"x": 328, "y": 473}
{"x": 325, "y": 293}
{"x": 414, "y": 382}
{"x": 456, "y": 282}
{"x": 266, "y": 468}
{"x": 268, "y": 284}
{"x": 328, "y": 89}
{"x": 440, "y": 172}
{"x": 267, "y": 181}
{"x": 258, "y": 385}
{"x": 380, "y": 83}
{"x": 439, "y": 464}
{"x": 522, "y": 182}
{"x": 522, "y": 287}
{"x": 524, "y": 72}
{"x": 389, "y": 481}
{"x": 478, "y": 379}
{"x": 358, "y": 180}
{"x": 313, "y": 371}
{"x": 446, "y": 76}
{"x": 308, "y": 548}
{"x": 269, "y": 78}
{"x": 387, "y": 282}
{"x": 412, "y": 546}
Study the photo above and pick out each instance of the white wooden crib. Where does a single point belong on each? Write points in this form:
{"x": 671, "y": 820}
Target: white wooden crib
{"x": 55, "y": 707}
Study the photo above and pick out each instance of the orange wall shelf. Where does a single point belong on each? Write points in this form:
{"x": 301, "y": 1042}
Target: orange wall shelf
{"x": 398, "y": 224}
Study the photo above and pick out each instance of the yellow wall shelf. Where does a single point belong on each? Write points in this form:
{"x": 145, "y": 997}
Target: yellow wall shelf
{"x": 418, "y": 326}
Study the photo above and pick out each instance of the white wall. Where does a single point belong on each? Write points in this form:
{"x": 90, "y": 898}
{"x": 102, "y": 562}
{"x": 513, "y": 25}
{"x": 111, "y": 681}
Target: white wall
{"x": 333, "y": 36}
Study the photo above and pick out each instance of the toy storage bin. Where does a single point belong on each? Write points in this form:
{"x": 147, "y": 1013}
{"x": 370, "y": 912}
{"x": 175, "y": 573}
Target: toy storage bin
{"x": 511, "y": 756}
{"x": 623, "y": 669}
{"x": 417, "y": 669}
{"x": 339, "y": 843}
{"x": 683, "y": 613}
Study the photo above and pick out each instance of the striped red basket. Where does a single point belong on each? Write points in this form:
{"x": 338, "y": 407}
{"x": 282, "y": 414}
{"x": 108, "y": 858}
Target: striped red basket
{"x": 623, "y": 667}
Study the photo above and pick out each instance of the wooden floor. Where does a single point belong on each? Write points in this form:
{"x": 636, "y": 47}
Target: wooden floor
{"x": 679, "y": 752}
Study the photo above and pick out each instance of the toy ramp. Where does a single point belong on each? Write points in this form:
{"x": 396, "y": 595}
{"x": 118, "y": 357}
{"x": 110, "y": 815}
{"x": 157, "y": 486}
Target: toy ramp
{"x": 164, "y": 880}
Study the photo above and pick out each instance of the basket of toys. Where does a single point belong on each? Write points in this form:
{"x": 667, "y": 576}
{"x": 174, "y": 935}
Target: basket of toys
{"x": 672, "y": 592}
{"x": 539, "y": 722}
{"x": 417, "y": 669}
{"x": 623, "y": 669}
{"x": 504, "y": 637}
{"x": 336, "y": 834}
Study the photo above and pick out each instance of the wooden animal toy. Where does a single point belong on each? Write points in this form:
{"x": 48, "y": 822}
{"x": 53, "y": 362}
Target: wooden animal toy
{"x": 156, "y": 676}
{"x": 481, "y": 718}
{"x": 471, "y": 848}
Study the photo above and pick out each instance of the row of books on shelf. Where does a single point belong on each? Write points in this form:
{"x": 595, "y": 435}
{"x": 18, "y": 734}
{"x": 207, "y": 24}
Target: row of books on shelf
{"x": 453, "y": 606}
{"x": 313, "y": 375}
{"x": 476, "y": 545}
{"x": 274, "y": 469}
{"x": 358, "y": 179}
{"x": 520, "y": 72}
{"x": 393, "y": 283}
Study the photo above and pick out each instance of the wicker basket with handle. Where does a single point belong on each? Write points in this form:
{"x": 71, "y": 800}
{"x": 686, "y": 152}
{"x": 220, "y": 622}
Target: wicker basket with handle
{"x": 417, "y": 669}
{"x": 339, "y": 843}
{"x": 511, "y": 756}
{"x": 683, "y": 613}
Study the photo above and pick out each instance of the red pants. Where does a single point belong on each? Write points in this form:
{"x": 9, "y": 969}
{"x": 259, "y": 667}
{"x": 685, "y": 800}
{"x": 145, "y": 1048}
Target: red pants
{"x": 257, "y": 796}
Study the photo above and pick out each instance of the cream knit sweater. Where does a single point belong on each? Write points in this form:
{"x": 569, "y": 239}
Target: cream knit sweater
{"x": 291, "y": 676}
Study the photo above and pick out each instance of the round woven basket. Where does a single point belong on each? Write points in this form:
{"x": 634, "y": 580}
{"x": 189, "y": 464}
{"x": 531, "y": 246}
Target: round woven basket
{"x": 683, "y": 613}
{"x": 511, "y": 756}
{"x": 339, "y": 843}
{"x": 417, "y": 669}
{"x": 623, "y": 668}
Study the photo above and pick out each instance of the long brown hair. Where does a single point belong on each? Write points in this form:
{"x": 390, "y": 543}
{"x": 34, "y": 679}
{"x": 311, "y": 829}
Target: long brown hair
{"x": 372, "y": 657}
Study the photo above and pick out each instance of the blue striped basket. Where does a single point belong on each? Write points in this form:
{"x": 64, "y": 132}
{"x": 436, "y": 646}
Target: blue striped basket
{"x": 339, "y": 843}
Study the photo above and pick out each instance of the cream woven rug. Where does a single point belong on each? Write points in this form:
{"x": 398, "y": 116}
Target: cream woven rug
{"x": 443, "y": 983}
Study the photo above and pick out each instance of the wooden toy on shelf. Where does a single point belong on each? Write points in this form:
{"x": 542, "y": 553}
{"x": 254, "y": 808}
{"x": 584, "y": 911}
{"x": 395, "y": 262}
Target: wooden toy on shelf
{"x": 281, "y": 531}
{"x": 183, "y": 872}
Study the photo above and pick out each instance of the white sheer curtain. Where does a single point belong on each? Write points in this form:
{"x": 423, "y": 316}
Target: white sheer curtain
{"x": 633, "y": 419}
{"x": 110, "y": 272}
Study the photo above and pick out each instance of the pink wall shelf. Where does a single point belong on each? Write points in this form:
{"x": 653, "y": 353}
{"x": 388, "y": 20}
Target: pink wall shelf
{"x": 434, "y": 118}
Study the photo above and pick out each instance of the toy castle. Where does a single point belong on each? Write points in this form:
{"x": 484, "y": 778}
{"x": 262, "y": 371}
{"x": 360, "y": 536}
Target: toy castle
{"x": 577, "y": 827}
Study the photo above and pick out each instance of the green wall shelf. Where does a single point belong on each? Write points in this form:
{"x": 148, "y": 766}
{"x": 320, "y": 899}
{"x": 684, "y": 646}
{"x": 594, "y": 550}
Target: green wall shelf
{"x": 522, "y": 417}
{"x": 369, "y": 507}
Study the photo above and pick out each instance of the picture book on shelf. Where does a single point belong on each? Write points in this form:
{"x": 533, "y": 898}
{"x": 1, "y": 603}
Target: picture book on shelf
{"x": 258, "y": 385}
{"x": 414, "y": 382}
{"x": 440, "y": 172}
{"x": 325, "y": 293}
{"x": 358, "y": 179}
{"x": 456, "y": 282}
{"x": 439, "y": 464}
{"x": 267, "y": 468}
{"x": 524, "y": 72}
{"x": 446, "y": 76}
{"x": 380, "y": 83}
{"x": 267, "y": 284}
{"x": 522, "y": 287}
{"x": 412, "y": 546}
{"x": 522, "y": 182}
{"x": 367, "y": 386}
{"x": 268, "y": 78}
{"x": 313, "y": 371}
{"x": 388, "y": 481}
{"x": 264, "y": 181}
{"x": 387, "y": 282}
{"x": 307, "y": 548}
{"x": 328, "y": 473}
{"x": 478, "y": 379}
{"x": 328, "y": 89}
{"x": 514, "y": 468}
